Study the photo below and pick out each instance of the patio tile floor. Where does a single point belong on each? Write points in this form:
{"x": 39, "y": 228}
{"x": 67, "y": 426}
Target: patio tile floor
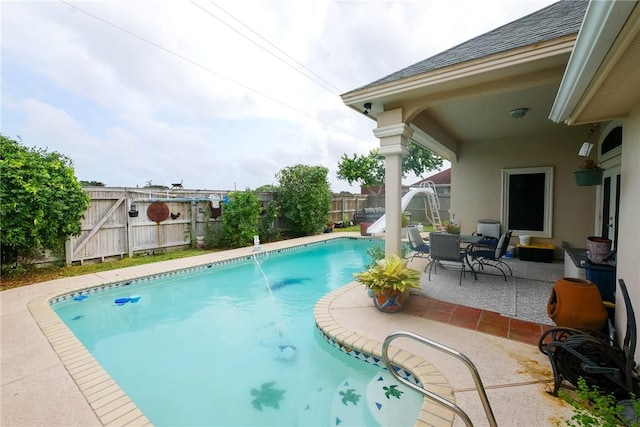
{"x": 476, "y": 319}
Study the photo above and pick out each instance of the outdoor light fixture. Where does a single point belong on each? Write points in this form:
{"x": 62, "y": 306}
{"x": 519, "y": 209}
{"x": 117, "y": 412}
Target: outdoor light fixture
{"x": 518, "y": 112}
{"x": 585, "y": 150}
{"x": 367, "y": 108}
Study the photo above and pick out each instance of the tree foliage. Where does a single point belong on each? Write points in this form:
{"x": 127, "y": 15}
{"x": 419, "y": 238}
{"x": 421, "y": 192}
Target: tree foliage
{"x": 267, "y": 188}
{"x": 240, "y": 219}
{"x": 267, "y": 228}
{"x": 305, "y": 197}
{"x": 41, "y": 201}
{"x": 368, "y": 170}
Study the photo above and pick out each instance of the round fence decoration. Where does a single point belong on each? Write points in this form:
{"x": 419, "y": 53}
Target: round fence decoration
{"x": 158, "y": 212}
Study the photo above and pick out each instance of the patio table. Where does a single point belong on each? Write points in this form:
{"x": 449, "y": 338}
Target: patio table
{"x": 470, "y": 240}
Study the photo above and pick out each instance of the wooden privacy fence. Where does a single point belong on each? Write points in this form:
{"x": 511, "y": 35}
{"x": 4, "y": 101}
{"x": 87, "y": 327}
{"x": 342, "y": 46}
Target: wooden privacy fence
{"x": 122, "y": 222}
{"x": 343, "y": 208}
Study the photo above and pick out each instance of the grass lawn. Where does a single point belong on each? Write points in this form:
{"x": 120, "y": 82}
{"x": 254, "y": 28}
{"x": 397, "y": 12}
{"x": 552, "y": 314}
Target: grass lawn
{"x": 37, "y": 275}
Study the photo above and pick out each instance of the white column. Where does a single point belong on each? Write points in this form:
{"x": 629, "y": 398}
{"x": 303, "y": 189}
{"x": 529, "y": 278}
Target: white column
{"x": 394, "y": 139}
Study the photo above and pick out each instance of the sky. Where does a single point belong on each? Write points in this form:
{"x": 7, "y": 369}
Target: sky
{"x": 214, "y": 94}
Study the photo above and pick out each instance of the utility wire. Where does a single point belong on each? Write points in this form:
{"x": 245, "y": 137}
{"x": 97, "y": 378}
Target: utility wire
{"x": 334, "y": 90}
{"x": 205, "y": 68}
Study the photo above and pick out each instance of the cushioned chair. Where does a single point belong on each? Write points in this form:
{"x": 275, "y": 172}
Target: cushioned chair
{"x": 418, "y": 246}
{"x": 446, "y": 247}
{"x": 490, "y": 230}
{"x": 593, "y": 356}
{"x": 483, "y": 256}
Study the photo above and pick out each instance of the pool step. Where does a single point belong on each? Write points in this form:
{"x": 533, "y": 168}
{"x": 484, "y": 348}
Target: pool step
{"x": 388, "y": 401}
{"x": 380, "y": 400}
{"x": 348, "y": 407}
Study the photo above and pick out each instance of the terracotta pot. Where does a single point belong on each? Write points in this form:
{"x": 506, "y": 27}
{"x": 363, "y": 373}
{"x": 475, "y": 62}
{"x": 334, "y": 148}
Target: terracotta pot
{"x": 363, "y": 228}
{"x": 576, "y": 303}
{"x": 390, "y": 301}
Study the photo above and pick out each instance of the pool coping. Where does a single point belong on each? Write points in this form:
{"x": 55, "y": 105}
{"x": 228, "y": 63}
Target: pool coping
{"x": 111, "y": 404}
{"x": 352, "y": 343}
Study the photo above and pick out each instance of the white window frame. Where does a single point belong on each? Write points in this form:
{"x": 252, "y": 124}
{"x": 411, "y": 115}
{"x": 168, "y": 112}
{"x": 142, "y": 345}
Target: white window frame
{"x": 548, "y": 199}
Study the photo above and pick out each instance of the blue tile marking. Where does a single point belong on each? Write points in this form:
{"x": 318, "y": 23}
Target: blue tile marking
{"x": 370, "y": 359}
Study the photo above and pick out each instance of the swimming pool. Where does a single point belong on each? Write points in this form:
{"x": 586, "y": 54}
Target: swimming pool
{"x": 215, "y": 347}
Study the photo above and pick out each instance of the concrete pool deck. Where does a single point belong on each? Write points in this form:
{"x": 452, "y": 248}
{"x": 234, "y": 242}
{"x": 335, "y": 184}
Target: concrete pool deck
{"x": 48, "y": 378}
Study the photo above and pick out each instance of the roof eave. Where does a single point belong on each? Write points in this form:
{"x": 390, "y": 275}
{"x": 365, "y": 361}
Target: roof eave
{"x": 460, "y": 71}
{"x": 602, "y": 23}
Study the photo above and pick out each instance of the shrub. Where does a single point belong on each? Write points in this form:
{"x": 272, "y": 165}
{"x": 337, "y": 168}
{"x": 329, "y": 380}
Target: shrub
{"x": 266, "y": 228}
{"x": 240, "y": 219}
{"x": 305, "y": 198}
{"x": 591, "y": 408}
{"x": 41, "y": 201}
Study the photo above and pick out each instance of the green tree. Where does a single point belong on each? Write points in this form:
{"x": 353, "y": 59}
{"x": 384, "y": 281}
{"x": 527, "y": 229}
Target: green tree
{"x": 267, "y": 227}
{"x": 267, "y": 188}
{"x": 240, "y": 219}
{"x": 41, "y": 201}
{"x": 368, "y": 170}
{"x": 305, "y": 198}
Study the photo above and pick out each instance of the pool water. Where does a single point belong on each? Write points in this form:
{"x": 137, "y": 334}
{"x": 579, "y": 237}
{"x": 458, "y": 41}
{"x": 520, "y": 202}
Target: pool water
{"x": 236, "y": 344}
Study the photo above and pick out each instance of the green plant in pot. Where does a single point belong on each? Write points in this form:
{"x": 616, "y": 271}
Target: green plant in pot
{"x": 452, "y": 227}
{"x": 405, "y": 220}
{"x": 390, "y": 281}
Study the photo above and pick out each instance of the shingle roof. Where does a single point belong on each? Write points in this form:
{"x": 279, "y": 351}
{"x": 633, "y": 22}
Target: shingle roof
{"x": 443, "y": 177}
{"x": 557, "y": 20}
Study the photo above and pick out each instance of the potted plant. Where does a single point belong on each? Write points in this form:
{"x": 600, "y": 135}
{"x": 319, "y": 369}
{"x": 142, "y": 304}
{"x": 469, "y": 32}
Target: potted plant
{"x": 390, "y": 281}
{"x": 452, "y": 227}
{"x": 590, "y": 173}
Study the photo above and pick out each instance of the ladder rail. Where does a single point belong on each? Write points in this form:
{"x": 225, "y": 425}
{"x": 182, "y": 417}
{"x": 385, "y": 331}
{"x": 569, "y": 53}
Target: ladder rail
{"x": 434, "y": 206}
{"x": 438, "y": 399}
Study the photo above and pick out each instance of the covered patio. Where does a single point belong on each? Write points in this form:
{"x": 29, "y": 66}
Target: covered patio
{"x": 517, "y": 103}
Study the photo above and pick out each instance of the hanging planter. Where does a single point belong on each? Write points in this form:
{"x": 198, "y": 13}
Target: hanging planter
{"x": 133, "y": 212}
{"x": 587, "y": 177}
{"x": 590, "y": 173}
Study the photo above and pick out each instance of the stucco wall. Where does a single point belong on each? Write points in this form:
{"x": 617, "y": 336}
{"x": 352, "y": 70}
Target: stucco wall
{"x": 629, "y": 231}
{"x": 476, "y": 181}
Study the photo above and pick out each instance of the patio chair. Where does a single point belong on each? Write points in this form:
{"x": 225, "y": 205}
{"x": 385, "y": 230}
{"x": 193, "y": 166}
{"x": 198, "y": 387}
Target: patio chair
{"x": 490, "y": 230}
{"x": 576, "y": 353}
{"x": 484, "y": 256}
{"x": 446, "y": 247}
{"x": 418, "y": 246}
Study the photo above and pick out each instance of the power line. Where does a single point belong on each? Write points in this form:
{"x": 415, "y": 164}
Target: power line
{"x": 334, "y": 90}
{"x": 207, "y": 69}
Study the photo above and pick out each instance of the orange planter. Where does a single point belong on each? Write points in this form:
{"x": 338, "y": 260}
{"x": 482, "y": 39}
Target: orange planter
{"x": 390, "y": 301}
{"x": 576, "y": 303}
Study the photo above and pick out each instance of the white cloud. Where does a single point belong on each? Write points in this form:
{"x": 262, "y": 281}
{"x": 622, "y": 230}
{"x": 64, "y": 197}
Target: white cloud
{"x": 209, "y": 107}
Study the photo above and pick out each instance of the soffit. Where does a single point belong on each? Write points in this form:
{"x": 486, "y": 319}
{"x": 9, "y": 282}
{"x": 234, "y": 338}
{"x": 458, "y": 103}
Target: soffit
{"x": 488, "y": 117}
{"x": 616, "y": 89}
{"x": 476, "y": 106}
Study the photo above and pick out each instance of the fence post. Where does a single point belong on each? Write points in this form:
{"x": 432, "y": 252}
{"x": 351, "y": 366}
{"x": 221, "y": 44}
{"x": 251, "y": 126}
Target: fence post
{"x": 194, "y": 217}
{"x": 68, "y": 252}
{"x": 128, "y": 226}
